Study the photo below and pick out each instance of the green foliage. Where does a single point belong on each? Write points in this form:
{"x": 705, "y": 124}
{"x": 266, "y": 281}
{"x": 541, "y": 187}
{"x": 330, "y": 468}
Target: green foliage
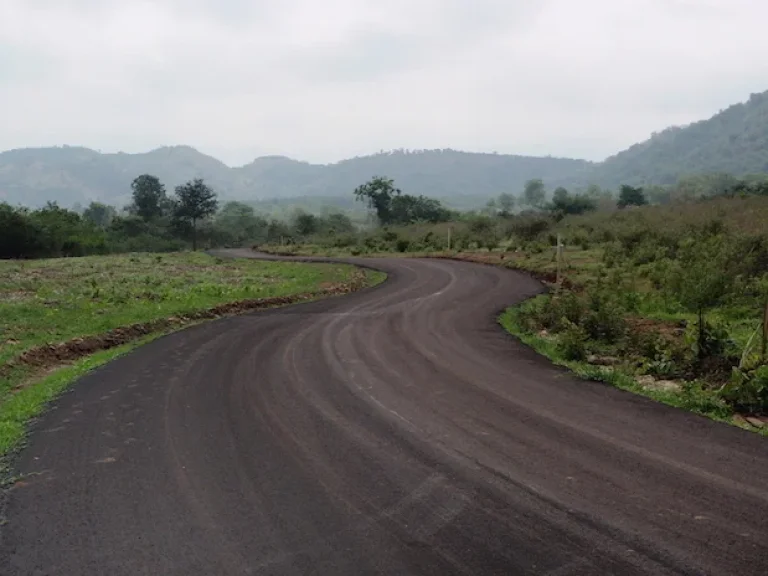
{"x": 407, "y": 209}
{"x": 378, "y": 194}
{"x": 631, "y": 196}
{"x": 529, "y": 226}
{"x": 305, "y": 224}
{"x": 534, "y": 193}
{"x": 710, "y": 341}
{"x": 506, "y": 203}
{"x": 572, "y": 342}
{"x": 194, "y": 201}
{"x": 98, "y": 214}
{"x": 604, "y": 320}
{"x": 237, "y": 224}
{"x": 748, "y": 389}
{"x": 49, "y": 231}
{"x": 149, "y": 199}
{"x": 700, "y": 277}
{"x": 393, "y": 207}
{"x": 564, "y": 203}
{"x": 19, "y": 236}
{"x": 402, "y": 244}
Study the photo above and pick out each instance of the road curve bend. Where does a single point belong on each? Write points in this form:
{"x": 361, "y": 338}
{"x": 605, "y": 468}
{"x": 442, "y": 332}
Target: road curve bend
{"x": 396, "y": 431}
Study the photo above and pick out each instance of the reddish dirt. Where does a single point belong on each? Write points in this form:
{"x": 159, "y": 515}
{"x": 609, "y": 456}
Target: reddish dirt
{"x": 665, "y": 328}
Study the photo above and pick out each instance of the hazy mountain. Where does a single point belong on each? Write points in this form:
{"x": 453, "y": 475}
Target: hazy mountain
{"x": 733, "y": 141}
{"x": 33, "y": 176}
{"x": 68, "y": 174}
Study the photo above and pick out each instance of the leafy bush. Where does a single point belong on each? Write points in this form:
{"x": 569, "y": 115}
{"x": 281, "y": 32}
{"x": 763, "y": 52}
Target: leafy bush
{"x": 529, "y": 227}
{"x": 572, "y": 342}
{"x": 748, "y": 389}
{"x": 605, "y": 321}
{"x": 402, "y": 244}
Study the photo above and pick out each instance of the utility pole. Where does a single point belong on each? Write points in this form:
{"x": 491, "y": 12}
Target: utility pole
{"x": 559, "y": 249}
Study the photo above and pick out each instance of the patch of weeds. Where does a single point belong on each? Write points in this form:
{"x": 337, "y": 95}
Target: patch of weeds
{"x": 694, "y": 396}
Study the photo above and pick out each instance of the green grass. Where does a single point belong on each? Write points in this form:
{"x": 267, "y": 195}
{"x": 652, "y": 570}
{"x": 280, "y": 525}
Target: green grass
{"x": 50, "y": 301}
{"x": 692, "y": 397}
{"x": 54, "y": 300}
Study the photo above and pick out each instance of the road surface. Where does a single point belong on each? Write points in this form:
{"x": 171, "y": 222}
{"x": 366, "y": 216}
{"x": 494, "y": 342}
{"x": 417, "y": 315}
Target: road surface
{"x": 397, "y": 430}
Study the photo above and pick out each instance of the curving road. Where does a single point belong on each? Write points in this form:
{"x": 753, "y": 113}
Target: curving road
{"x": 396, "y": 431}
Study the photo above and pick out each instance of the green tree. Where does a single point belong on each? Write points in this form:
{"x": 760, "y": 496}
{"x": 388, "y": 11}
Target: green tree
{"x": 490, "y": 208}
{"x": 506, "y": 203}
{"x": 278, "y": 231}
{"x": 195, "y": 201}
{"x": 631, "y": 196}
{"x": 99, "y": 214}
{"x": 336, "y": 223}
{"x": 149, "y": 198}
{"x": 378, "y": 193}
{"x": 701, "y": 277}
{"x": 534, "y": 193}
{"x": 19, "y": 237}
{"x": 564, "y": 203}
{"x": 305, "y": 224}
{"x": 237, "y": 223}
{"x": 594, "y": 191}
{"x": 407, "y": 209}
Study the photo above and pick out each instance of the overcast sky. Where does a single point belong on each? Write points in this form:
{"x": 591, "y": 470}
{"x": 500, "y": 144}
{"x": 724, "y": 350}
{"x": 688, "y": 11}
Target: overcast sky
{"x": 324, "y": 80}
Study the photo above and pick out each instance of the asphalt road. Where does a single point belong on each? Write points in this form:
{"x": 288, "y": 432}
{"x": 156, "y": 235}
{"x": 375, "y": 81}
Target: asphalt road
{"x": 397, "y": 431}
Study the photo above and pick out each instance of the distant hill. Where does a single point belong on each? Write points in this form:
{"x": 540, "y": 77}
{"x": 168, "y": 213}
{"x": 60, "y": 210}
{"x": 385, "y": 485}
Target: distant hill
{"x": 70, "y": 174}
{"x": 67, "y": 175}
{"x": 734, "y": 141}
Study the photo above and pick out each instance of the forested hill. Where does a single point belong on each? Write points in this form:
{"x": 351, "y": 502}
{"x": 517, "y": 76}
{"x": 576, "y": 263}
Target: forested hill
{"x": 70, "y": 174}
{"x": 735, "y": 141}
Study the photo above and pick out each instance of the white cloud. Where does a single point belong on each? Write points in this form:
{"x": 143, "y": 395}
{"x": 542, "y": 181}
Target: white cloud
{"x": 326, "y": 80}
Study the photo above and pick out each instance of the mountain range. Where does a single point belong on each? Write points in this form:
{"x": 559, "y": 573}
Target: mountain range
{"x": 733, "y": 141}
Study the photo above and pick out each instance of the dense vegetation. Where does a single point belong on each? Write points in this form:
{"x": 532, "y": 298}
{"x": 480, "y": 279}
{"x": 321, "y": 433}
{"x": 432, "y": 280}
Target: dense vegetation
{"x": 673, "y": 293}
{"x": 734, "y": 141}
{"x": 153, "y": 222}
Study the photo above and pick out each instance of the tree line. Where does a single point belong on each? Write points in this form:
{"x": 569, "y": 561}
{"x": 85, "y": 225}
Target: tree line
{"x": 154, "y": 221}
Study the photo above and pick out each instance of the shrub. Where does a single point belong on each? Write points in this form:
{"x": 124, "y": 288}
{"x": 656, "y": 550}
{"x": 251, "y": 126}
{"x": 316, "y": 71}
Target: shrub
{"x": 605, "y": 322}
{"x": 529, "y": 227}
{"x": 344, "y": 241}
{"x": 389, "y": 236}
{"x": 402, "y": 244}
{"x": 748, "y": 389}
{"x": 572, "y": 342}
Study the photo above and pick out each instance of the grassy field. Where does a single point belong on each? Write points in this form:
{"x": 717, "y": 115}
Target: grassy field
{"x": 47, "y": 302}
